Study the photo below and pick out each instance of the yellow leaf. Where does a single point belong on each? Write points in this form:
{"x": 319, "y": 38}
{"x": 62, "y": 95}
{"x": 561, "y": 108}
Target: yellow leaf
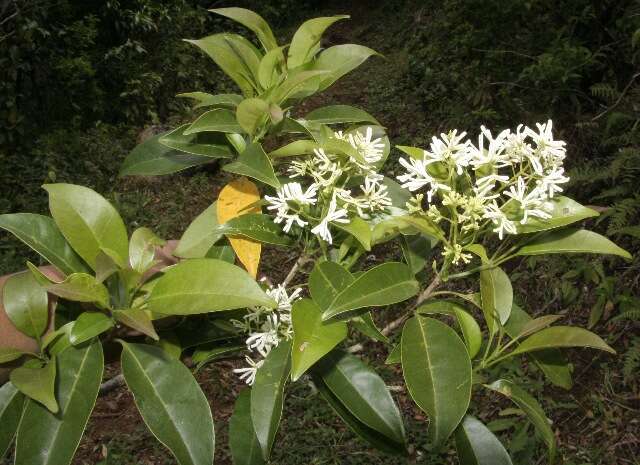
{"x": 235, "y": 200}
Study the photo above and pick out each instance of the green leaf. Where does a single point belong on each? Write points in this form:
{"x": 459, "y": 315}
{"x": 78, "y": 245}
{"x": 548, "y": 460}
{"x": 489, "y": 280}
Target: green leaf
{"x": 106, "y": 265}
{"x": 251, "y": 114}
{"x": 9, "y": 354}
{"x": 564, "y": 211}
{"x": 254, "y": 163}
{"x": 142, "y": 249}
{"x": 326, "y": 281}
{"x": 200, "y": 235}
{"x": 26, "y": 304}
{"x": 243, "y": 442}
{"x": 297, "y": 147}
{"x": 359, "y": 229}
{"x": 11, "y": 402}
{"x": 306, "y": 40}
{"x": 552, "y": 362}
{"x": 222, "y": 252}
{"x": 236, "y": 56}
{"x": 437, "y": 371}
{"x": 470, "y": 328}
{"x": 87, "y": 221}
{"x": 81, "y": 287}
{"x": 340, "y": 60}
{"x": 294, "y": 83}
{"x": 562, "y": 336}
{"x": 42, "y": 235}
{"x": 384, "y": 284}
{"x": 476, "y": 445}
{"x": 89, "y": 325}
{"x": 77, "y": 385}
{"x": 363, "y": 393}
{"x": 312, "y": 339}
{"x": 572, "y": 241}
{"x": 271, "y": 66}
{"x": 171, "y": 403}
{"x": 395, "y": 356}
{"x": 422, "y": 224}
{"x": 217, "y": 120}
{"x": 531, "y": 407}
{"x": 256, "y": 226}
{"x": 202, "y": 356}
{"x": 334, "y": 114}
{"x": 365, "y": 324}
{"x": 208, "y": 100}
{"x": 497, "y": 297}
{"x": 267, "y": 395}
{"x": 136, "y": 319}
{"x": 251, "y": 21}
{"x": 376, "y": 439}
{"x": 205, "y": 285}
{"x": 151, "y": 158}
{"x": 416, "y": 249}
{"x": 37, "y": 383}
{"x": 206, "y": 144}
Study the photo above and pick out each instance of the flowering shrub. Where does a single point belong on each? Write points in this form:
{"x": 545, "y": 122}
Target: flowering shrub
{"x": 465, "y": 208}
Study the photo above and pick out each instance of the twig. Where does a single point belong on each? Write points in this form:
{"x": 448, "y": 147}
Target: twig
{"x": 111, "y": 384}
{"x": 400, "y": 320}
{"x": 294, "y": 269}
{"x": 617, "y": 102}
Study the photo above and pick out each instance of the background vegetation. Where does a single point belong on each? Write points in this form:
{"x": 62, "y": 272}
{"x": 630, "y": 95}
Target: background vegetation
{"x": 82, "y": 80}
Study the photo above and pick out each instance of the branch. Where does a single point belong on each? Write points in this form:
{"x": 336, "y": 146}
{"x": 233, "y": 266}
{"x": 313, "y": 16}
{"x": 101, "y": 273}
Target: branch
{"x": 303, "y": 259}
{"x": 617, "y": 102}
{"x": 111, "y": 384}
{"x": 400, "y": 320}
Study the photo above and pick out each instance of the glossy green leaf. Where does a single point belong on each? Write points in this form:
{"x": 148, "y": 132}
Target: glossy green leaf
{"x": 531, "y": 407}
{"x": 312, "y": 338}
{"x": 216, "y": 120}
{"x": 562, "y": 336}
{"x": 89, "y": 325}
{"x": 204, "y": 355}
{"x": 552, "y": 362}
{"x": 200, "y": 235}
{"x": 476, "y": 445}
{"x": 58, "y": 340}
{"x": 237, "y": 141}
{"x": 297, "y": 147}
{"x": 105, "y": 265}
{"x": 142, "y": 249}
{"x": 416, "y": 250}
{"x": 243, "y": 442}
{"x": 87, "y": 220}
{"x": 205, "y": 285}
{"x": 395, "y": 356}
{"x": 81, "y": 287}
{"x": 384, "y": 284}
{"x": 236, "y": 56}
{"x": 497, "y": 297}
{"x": 437, "y": 371}
{"x": 340, "y": 60}
{"x": 373, "y": 437}
{"x": 363, "y": 393}
{"x": 206, "y": 144}
{"x": 251, "y": 21}
{"x": 326, "y": 281}
{"x": 26, "y": 304}
{"x": 208, "y": 100}
{"x": 171, "y": 403}
{"x": 306, "y": 40}
{"x": 254, "y": 163}
{"x": 256, "y": 226}
{"x": 572, "y": 241}
{"x": 37, "y": 383}
{"x": 359, "y": 229}
{"x": 11, "y": 402}
{"x": 77, "y": 384}
{"x": 564, "y": 211}
{"x": 136, "y": 319}
{"x": 422, "y": 224}
{"x": 9, "y": 354}
{"x": 267, "y": 395}
{"x": 42, "y": 235}
{"x": 271, "y": 66}
{"x": 294, "y": 83}
{"x": 365, "y": 324}
{"x": 334, "y": 114}
{"x": 222, "y": 252}
{"x": 251, "y": 114}
{"x": 151, "y": 158}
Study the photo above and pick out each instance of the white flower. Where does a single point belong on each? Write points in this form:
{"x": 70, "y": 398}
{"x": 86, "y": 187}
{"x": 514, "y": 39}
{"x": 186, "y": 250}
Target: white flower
{"x": 499, "y": 219}
{"x": 291, "y": 192}
{"x": 450, "y": 147}
{"x": 549, "y": 183}
{"x": 532, "y": 203}
{"x": 486, "y": 184}
{"x": 282, "y": 297}
{"x": 289, "y": 219}
{"x": 370, "y": 148}
{"x": 333, "y": 214}
{"x": 455, "y": 254}
{"x": 418, "y": 177}
{"x": 517, "y": 147}
{"x": 375, "y": 194}
{"x": 494, "y": 154}
{"x": 552, "y": 151}
{"x": 248, "y": 374}
{"x": 266, "y": 338}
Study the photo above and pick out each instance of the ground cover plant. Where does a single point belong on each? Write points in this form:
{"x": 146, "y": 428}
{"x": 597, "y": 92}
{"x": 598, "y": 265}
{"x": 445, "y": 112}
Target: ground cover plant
{"x": 501, "y": 194}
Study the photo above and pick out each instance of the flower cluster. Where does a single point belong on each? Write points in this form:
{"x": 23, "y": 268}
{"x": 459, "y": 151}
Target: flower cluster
{"x": 265, "y": 328}
{"x": 327, "y": 198}
{"x": 503, "y": 181}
